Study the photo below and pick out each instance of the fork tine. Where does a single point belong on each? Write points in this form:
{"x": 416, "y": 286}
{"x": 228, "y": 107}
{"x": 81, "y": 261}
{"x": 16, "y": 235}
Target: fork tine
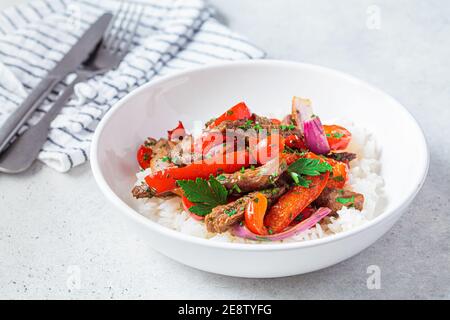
{"x": 111, "y": 34}
{"x": 117, "y": 45}
{"x": 122, "y": 29}
{"x": 133, "y": 31}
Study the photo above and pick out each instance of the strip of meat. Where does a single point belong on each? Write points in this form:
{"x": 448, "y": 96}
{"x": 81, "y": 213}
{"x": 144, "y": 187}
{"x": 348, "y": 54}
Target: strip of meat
{"x": 141, "y": 192}
{"x": 223, "y": 217}
{"x": 254, "y": 179}
{"x": 161, "y": 155}
{"x": 336, "y": 199}
{"x": 251, "y": 127}
{"x": 342, "y": 156}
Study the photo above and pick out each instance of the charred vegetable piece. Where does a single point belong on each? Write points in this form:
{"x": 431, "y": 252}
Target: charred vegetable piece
{"x": 294, "y": 202}
{"x": 223, "y": 217}
{"x": 254, "y": 214}
{"x": 338, "y": 137}
{"x": 238, "y": 112}
{"x": 336, "y": 199}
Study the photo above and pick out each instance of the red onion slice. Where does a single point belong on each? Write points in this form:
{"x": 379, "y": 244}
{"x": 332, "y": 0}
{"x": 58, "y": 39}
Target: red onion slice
{"x": 242, "y": 231}
{"x": 315, "y": 137}
{"x": 310, "y": 125}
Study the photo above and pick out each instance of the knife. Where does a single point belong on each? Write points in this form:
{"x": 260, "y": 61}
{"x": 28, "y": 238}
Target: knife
{"x": 69, "y": 63}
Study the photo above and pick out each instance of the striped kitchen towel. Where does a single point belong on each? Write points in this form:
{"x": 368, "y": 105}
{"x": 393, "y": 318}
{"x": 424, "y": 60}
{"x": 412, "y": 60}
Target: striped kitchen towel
{"x": 173, "y": 35}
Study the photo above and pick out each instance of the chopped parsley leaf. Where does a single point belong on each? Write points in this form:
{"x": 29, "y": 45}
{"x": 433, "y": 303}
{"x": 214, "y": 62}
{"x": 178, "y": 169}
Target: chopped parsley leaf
{"x": 230, "y": 212}
{"x": 344, "y": 201}
{"x": 205, "y": 194}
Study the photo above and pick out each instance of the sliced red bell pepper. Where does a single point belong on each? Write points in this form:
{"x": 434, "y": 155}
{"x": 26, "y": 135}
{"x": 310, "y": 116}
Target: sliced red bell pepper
{"x": 166, "y": 180}
{"x": 337, "y": 136}
{"x": 291, "y": 204}
{"x": 254, "y": 214}
{"x": 339, "y": 175}
{"x": 295, "y": 142}
{"x": 238, "y": 112}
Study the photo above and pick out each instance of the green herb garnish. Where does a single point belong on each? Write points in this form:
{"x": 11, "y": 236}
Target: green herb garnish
{"x": 235, "y": 188}
{"x": 205, "y": 194}
{"x": 230, "y": 212}
{"x": 285, "y": 127}
{"x": 344, "y": 201}
{"x": 307, "y": 167}
{"x": 165, "y": 159}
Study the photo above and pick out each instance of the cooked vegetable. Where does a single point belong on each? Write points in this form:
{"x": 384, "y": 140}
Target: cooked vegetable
{"x": 295, "y": 142}
{"x": 339, "y": 171}
{"x": 294, "y": 202}
{"x": 166, "y": 180}
{"x": 254, "y": 214}
{"x": 312, "y": 128}
{"x": 338, "y": 137}
{"x": 144, "y": 156}
{"x": 243, "y": 232}
{"x": 238, "y": 112}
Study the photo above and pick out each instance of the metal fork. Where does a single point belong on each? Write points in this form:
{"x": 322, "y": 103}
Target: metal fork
{"x": 108, "y": 55}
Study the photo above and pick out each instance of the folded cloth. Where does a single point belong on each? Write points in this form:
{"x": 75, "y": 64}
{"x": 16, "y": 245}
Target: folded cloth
{"x": 173, "y": 35}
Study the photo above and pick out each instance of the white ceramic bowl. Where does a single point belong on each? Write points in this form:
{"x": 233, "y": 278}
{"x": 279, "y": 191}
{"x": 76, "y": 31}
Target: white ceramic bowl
{"x": 267, "y": 87}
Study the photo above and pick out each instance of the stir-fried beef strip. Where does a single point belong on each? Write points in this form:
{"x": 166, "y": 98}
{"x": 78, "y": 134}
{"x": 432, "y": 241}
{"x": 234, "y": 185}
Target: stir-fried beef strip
{"x": 336, "y": 199}
{"x": 223, "y": 217}
{"x": 252, "y": 127}
{"x": 161, "y": 155}
{"x": 142, "y": 191}
{"x": 254, "y": 178}
{"x": 342, "y": 156}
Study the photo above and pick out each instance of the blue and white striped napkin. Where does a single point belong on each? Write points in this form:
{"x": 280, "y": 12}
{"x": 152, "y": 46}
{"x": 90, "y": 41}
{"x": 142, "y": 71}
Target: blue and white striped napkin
{"x": 173, "y": 35}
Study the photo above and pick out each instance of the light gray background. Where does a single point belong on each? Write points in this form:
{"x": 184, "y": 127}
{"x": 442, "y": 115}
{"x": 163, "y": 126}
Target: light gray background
{"x": 50, "y": 222}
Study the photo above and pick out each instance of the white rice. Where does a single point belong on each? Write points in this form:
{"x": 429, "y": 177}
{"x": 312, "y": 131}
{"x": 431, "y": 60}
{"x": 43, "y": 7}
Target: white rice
{"x": 364, "y": 178}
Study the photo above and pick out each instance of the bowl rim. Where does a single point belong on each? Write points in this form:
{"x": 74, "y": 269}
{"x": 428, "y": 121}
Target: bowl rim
{"x": 154, "y": 226}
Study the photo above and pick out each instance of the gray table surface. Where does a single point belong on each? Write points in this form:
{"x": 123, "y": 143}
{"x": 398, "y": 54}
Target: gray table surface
{"x": 54, "y": 227}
